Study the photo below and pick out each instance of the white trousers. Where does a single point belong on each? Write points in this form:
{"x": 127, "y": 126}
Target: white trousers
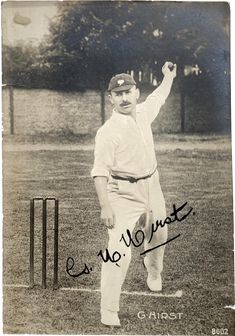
{"x": 129, "y": 201}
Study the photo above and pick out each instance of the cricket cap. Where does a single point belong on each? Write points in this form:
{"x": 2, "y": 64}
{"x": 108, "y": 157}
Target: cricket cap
{"x": 121, "y": 82}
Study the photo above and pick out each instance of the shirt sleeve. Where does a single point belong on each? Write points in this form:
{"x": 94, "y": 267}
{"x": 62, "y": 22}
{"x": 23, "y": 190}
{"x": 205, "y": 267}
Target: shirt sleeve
{"x": 151, "y": 106}
{"x": 105, "y": 146}
{"x": 155, "y": 100}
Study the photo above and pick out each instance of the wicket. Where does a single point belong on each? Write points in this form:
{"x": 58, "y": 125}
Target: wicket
{"x": 44, "y": 240}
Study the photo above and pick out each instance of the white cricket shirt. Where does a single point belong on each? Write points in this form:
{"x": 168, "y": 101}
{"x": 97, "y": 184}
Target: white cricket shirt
{"x": 123, "y": 146}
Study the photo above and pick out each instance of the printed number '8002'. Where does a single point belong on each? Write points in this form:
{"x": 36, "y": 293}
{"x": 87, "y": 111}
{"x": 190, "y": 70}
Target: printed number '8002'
{"x": 219, "y": 331}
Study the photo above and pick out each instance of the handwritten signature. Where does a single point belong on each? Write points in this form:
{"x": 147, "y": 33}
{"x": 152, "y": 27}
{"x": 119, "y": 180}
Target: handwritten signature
{"x": 136, "y": 241}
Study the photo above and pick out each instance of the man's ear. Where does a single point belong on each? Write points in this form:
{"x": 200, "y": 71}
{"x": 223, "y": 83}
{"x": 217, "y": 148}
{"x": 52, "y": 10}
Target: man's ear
{"x": 111, "y": 98}
{"x": 137, "y": 93}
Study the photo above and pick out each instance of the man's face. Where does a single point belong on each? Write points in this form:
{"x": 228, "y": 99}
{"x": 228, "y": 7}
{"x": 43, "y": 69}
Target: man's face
{"x": 124, "y": 102}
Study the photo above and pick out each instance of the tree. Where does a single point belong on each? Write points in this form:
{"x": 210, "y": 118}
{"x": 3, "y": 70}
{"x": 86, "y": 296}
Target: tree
{"x": 91, "y": 41}
{"x": 22, "y": 66}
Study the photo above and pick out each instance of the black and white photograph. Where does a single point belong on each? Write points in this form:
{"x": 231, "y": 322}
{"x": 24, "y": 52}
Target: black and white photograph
{"x": 117, "y": 168}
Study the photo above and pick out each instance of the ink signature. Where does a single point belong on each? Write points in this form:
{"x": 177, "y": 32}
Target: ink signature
{"x": 108, "y": 257}
{"x": 86, "y": 269}
{"x": 136, "y": 241}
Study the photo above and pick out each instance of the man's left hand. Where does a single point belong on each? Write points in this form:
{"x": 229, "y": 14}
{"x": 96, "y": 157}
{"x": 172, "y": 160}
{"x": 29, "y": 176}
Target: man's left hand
{"x": 169, "y": 69}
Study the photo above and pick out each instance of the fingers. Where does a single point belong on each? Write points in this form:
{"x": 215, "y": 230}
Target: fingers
{"x": 109, "y": 222}
{"x": 169, "y": 65}
{"x": 174, "y": 70}
{"x": 169, "y": 68}
{"x": 108, "y": 217}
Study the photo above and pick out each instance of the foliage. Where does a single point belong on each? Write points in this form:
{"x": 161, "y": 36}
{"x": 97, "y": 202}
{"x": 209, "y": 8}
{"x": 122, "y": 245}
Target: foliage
{"x": 22, "y": 65}
{"x": 90, "y": 41}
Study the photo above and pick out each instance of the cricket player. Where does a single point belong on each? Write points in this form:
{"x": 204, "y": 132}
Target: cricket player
{"x": 127, "y": 184}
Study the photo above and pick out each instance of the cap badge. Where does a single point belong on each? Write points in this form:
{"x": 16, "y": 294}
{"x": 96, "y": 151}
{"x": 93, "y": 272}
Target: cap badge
{"x": 120, "y": 82}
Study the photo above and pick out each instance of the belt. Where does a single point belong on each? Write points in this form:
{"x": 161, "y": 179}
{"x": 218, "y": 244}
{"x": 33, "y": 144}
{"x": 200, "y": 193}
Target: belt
{"x": 133, "y": 179}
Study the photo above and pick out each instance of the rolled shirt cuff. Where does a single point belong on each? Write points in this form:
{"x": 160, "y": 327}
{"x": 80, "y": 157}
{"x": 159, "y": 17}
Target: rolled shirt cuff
{"x": 100, "y": 172}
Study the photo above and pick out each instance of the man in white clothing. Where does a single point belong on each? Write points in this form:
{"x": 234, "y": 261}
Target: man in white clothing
{"x": 127, "y": 184}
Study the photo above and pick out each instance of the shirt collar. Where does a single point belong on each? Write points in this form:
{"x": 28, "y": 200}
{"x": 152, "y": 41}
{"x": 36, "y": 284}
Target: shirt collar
{"x": 122, "y": 118}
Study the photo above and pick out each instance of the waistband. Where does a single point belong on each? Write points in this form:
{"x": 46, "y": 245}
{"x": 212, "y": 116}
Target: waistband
{"x": 133, "y": 179}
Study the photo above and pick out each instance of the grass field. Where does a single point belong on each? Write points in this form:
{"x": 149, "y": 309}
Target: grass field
{"x": 199, "y": 262}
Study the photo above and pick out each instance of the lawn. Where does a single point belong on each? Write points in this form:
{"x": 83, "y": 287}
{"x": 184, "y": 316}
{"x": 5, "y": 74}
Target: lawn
{"x": 200, "y": 262}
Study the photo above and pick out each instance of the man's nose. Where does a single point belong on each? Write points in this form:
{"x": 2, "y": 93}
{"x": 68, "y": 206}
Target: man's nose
{"x": 124, "y": 96}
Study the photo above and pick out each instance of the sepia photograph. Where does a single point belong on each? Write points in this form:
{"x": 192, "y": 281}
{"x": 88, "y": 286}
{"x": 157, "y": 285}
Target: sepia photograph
{"x": 117, "y": 168}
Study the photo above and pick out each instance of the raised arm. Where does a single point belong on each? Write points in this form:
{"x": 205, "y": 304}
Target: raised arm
{"x": 169, "y": 72}
{"x": 157, "y": 98}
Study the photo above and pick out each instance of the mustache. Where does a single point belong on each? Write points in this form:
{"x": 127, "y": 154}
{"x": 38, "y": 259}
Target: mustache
{"x": 125, "y": 104}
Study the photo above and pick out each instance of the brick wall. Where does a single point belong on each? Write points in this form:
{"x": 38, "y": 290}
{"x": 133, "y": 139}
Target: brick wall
{"x": 54, "y": 112}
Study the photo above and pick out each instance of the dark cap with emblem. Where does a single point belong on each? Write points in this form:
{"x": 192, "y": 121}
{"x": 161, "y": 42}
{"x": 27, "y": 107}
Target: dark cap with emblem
{"x": 121, "y": 82}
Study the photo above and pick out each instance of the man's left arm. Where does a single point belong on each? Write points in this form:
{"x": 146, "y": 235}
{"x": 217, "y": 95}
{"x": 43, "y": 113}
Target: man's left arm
{"x": 157, "y": 98}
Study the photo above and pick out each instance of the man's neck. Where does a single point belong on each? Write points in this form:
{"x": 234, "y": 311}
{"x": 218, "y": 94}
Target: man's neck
{"x": 132, "y": 114}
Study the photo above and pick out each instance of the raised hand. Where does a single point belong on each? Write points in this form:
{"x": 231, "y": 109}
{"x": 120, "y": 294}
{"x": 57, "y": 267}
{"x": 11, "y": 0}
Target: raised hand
{"x": 169, "y": 68}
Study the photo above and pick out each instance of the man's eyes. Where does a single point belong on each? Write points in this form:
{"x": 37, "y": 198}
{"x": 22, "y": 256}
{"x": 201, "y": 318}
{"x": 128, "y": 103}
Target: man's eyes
{"x": 120, "y": 94}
